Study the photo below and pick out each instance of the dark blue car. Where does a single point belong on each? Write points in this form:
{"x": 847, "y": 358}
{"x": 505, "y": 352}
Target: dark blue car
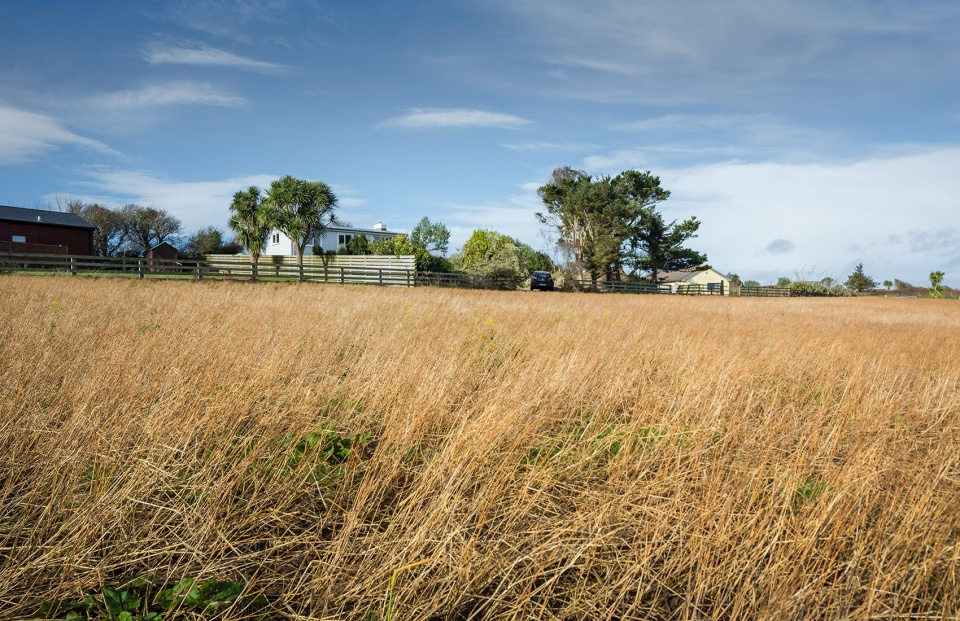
{"x": 541, "y": 280}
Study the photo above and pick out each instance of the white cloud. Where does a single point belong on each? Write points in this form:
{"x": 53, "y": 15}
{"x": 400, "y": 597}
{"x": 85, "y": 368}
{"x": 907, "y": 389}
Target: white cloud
{"x": 513, "y": 216}
{"x": 439, "y": 118}
{"x": 681, "y": 51}
{"x": 27, "y": 135}
{"x": 157, "y": 54}
{"x": 168, "y": 94}
{"x": 542, "y": 145}
{"x": 196, "y": 203}
{"x": 896, "y": 214}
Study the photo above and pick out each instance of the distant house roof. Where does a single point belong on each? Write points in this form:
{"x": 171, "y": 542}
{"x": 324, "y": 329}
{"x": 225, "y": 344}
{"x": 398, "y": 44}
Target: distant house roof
{"x": 40, "y": 216}
{"x": 161, "y": 245}
{"x": 682, "y": 275}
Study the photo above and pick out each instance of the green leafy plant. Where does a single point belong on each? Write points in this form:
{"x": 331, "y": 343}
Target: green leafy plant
{"x": 327, "y": 449}
{"x": 134, "y": 600}
{"x": 807, "y": 492}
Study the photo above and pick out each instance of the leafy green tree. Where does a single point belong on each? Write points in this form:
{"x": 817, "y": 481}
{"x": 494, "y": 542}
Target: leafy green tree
{"x": 146, "y": 227}
{"x": 251, "y": 221}
{"x": 658, "y": 247}
{"x": 735, "y": 280}
{"x": 533, "y": 260}
{"x": 398, "y": 245}
{"x": 492, "y": 255}
{"x": 301, "y": 209}
{"x": 751, "y": 283}
{"x": 888, "y": 284}
{"x": 405, "y": 245}
{"x": 358, "y": 245}
{"x": 936, "y": 284}
{"x": 859, "y": 281}
{"x": 783, "y": 281}
{"x": 211, "y": 240}
{"x": 609, "y": 222}
{"x": 433, "y": 236}
{"x": 109, "y": 236}
{"x": 594, "y": 218}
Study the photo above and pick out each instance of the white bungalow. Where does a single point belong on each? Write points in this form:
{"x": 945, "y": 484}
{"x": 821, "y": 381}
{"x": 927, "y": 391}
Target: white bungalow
{"x": 329, "y": 239}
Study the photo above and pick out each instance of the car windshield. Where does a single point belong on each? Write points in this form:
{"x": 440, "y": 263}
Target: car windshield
{"x": 542, "y": 274}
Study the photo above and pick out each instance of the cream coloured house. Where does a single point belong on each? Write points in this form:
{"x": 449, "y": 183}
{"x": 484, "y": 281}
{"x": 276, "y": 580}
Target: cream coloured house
{"x": 714, "y": 280}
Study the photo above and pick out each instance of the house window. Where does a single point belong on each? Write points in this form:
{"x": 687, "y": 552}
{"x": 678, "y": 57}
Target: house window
{"x": 276, "y": 238}
{"x": 343, "y": 238}
{"x": 20, "y": 238}
{"x": 715, "y": 287}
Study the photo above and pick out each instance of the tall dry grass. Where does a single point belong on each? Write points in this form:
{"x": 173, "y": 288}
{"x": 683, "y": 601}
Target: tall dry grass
{"x": 542, "y": 456}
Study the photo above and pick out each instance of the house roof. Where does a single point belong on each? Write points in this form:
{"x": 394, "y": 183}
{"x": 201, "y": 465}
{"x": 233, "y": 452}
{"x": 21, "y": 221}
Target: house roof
{"x": 161, "y": 245}
{"x": 41, "y": 216}
{"x": 682, "y": 275}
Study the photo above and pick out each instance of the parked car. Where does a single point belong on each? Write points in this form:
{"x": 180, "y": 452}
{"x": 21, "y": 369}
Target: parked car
{"x": 541, "y": 280}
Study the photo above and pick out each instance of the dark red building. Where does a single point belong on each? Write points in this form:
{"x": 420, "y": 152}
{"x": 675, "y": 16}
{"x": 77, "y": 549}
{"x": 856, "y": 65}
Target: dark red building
{"x": 41, "y": 232}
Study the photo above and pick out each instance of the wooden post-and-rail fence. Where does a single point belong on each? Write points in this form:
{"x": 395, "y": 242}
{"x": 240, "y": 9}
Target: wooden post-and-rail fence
{"x": 390, "y": 272}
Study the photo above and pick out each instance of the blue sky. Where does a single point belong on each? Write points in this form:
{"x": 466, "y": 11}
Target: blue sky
{"x": 806, "y": 136}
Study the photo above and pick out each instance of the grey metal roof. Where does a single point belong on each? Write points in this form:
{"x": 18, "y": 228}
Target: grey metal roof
{"x": 41, "y": 216}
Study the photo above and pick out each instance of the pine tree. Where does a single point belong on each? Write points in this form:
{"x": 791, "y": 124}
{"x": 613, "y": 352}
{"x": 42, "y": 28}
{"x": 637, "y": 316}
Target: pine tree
{"x": 858, "y": 281}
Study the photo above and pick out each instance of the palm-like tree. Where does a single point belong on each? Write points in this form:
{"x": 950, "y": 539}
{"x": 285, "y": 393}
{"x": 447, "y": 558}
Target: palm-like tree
{"x": 301, "y": 209}
{"x": 936, "y": 286}
{"x": 251, "y": 222}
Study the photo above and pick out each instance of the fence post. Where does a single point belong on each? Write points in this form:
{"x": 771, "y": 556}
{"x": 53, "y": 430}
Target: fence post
{"x": 199, "y": 271}
{"x": 73, "y": 265}
{"x": 140, "y": 268}
{"x": 341, "y": 275}
{"x": 380, "y": 275}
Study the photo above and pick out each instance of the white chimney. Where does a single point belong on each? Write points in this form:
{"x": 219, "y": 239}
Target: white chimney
{"x": 379, "y": 226}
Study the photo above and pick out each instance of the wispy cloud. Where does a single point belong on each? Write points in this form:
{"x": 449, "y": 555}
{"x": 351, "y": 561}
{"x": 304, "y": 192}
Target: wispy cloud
{"x": 514, "y": 215}
{"x": 282, "y": 22}
{"x": 447, "y": 118}
{"x": 196, "y": 203}
{"x": 169, "y": 94}
{"x": 680, "y": 51}
{"x": 25, "y": 136}
{"x": 753, "y": 129}
{"x": 201, "y": 55}
{"x": 540, "y": 145}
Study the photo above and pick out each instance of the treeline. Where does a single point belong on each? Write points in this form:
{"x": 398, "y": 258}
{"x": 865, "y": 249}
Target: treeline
{"x": 486, "y": 253}
{"x": 134, "y": 229}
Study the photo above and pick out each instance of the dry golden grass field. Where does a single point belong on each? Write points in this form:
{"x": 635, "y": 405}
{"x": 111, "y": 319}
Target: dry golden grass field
{"x": 374, "y": 453}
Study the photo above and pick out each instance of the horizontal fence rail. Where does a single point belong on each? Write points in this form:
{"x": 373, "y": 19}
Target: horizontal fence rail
{"x": 617, "y": 286}
{"x": 462, "y": 281}
{"x": 200, "y": 269}
{"x": 698, "y": 289}
{"x": 764, "y": 292}
{"x": 371, "y": 270}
